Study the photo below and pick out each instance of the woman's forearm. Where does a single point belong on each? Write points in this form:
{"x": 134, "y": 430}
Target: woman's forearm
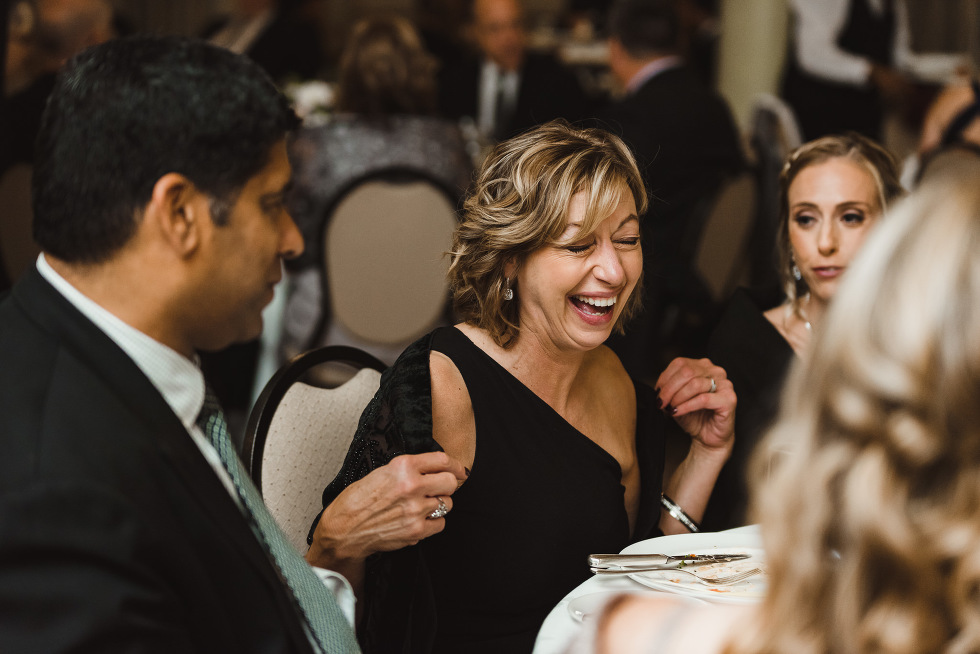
{"x": 691, "y": 484}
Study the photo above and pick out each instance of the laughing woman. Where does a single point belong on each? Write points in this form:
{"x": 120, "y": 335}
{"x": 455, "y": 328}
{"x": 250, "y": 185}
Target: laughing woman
{"x": 565, "y": 451}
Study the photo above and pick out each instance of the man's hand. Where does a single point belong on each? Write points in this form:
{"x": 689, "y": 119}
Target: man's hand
{"x": 386, "y": 510}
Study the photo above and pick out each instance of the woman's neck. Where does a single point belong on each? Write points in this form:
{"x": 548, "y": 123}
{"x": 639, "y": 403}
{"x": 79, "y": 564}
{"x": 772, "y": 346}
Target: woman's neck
{"x": 810, "y": 310}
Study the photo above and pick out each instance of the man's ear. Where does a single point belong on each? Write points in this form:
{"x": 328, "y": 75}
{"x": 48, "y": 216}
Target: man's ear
{"x": 180, "y": 212}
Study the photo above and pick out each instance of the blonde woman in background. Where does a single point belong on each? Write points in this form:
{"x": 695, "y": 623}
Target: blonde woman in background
{"x": 832, "y": 193}
{"x": 872, "y": 524}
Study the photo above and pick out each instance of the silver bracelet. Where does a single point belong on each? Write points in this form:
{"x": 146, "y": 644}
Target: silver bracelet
{"x": 677, "y": 513}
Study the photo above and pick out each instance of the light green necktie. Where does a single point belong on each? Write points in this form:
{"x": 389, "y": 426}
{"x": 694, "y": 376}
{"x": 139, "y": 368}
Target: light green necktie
{"x": 330, "y": 629}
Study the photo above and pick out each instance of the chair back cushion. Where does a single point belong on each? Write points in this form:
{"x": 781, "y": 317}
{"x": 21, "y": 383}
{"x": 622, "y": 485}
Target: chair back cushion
{"x": 721, "y": 256}
{"x": 308, "y": 438}
{"x": 384, "y": 250}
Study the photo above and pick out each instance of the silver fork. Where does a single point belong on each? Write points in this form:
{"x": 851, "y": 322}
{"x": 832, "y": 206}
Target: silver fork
{"x": 719, "y": 581}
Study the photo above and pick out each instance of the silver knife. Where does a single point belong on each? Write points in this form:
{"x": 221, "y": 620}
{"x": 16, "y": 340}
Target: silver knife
{"x": 668, "y": 561}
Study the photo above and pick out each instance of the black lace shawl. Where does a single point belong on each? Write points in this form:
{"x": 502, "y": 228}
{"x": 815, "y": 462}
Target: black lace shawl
{"x": 398, "y": 607}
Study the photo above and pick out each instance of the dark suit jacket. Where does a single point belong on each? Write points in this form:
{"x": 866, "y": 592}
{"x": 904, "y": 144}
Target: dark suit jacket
{"x": 547, "y": 91}
{"x": 681, "y": 133}
{"x": 289, "y": 46}
{"x": 685, "y": 143}
{"x": 115, "y": 533}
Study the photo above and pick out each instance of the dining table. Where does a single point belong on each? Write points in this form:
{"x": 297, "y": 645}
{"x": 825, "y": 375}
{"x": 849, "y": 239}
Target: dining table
{"x": 568, "y": 617}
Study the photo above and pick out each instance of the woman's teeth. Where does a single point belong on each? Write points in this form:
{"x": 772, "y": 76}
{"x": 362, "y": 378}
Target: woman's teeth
{"x": 596, "y": 301}
{"x": 602, "y": 305}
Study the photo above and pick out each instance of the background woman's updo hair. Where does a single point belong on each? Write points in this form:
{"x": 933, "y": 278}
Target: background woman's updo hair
{"x": 872, "y": 521}
{"x": 879, "y": 163}
{"x": 386, "y": 70}
{"x": 520, "y": 203}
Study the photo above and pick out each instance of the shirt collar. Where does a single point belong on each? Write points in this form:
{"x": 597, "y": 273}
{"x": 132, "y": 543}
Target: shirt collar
{"x": 178, "y": 379}
{"x": 651, "y": 70}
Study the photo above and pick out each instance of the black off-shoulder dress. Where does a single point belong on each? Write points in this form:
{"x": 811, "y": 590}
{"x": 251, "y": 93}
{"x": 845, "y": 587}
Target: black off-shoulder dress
{"x": 541, "y": 496}
{"x": 756, "y": 357}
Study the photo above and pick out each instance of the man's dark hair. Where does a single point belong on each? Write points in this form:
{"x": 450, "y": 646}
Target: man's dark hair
{"x": 644, "y": 27}
{"x": 127, "y": 112}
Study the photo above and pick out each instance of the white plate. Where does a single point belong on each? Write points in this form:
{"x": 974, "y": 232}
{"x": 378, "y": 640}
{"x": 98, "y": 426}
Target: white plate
{"x": 750, "y": 591}
{"x": 585, "y": 606}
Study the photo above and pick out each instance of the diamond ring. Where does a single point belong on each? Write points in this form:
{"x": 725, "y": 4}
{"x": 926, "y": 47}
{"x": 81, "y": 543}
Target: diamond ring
{"x": 714, "y": 386}
{"x": 440, "y": 512}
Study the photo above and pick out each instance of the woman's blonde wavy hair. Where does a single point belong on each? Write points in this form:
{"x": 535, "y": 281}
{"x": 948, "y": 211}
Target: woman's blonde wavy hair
{"x": 520, "y": 204}
{"x": 872, "y": 522}
{"x": 879, "y": 163}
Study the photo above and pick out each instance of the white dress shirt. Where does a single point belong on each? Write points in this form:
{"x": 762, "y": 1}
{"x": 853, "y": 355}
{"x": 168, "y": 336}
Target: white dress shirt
{"x": 651, "y": 70}
{"x": 819, "y": 24}
{"x": 181, "y": 383}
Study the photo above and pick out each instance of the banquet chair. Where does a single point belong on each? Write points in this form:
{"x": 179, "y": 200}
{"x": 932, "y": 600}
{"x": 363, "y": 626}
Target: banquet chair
{"x": 383, "y": 268}
{"x": 722, "y": 256}
{"x": 715, "y": 255}
{"x": 298, "y": 433}
{"x": 773, "y": 134}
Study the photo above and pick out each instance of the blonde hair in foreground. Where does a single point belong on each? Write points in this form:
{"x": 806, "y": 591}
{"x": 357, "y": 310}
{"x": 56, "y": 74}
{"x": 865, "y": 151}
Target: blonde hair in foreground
{"x": 520, "y": 204}
{"x": 872, "y": 523}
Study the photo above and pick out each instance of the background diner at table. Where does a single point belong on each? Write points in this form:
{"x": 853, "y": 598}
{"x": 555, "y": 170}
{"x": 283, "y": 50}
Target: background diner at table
{"x": 565, "y": 451}
{"x": 384, "y": 119}
{"x": 870, "y": 520}
{"x": 832, "y": 193}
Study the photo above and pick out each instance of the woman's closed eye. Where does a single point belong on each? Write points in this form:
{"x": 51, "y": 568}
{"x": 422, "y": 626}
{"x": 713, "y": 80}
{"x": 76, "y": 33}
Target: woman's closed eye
{"x": 628, "y": 241}
{"x": 578, "y": 248}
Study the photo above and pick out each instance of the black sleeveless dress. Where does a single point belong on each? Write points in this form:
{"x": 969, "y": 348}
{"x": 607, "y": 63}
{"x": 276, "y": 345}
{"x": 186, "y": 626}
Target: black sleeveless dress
{"x": 540, "y": 498}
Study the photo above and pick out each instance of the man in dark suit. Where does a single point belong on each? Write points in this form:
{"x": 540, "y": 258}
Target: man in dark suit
{"x": 507, "y": 89}
{"x": 275, "y": 35}
{"x": 685, "y": 142}
{"x": 127, "y": 523}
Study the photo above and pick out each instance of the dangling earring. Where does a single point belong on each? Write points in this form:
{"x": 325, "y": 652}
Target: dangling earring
{"x": 797, "y": 275}
{"x": 508, "y": 291}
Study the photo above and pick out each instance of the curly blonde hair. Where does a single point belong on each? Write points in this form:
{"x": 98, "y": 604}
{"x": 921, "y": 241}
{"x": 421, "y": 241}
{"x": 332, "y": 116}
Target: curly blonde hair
{"x": 386, "y": 70}
{"x": 872, "y": 521}
{"x": 879, "y": 163}
{"x": 520, "y": 203}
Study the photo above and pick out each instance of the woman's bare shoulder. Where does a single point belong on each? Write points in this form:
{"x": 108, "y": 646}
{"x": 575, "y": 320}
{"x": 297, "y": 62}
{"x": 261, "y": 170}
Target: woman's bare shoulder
{"x": 453, "y": 423}
{"x": 603, "y": 368}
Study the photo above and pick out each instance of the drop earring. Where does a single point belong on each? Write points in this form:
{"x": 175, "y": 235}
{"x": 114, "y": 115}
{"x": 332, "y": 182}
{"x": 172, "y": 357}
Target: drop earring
{"x": 508, "y": 291}
{"x": 797, "y": 275}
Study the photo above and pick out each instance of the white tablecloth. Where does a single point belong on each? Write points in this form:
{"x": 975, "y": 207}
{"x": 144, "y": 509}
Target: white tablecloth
{"x": 559, "y": 627}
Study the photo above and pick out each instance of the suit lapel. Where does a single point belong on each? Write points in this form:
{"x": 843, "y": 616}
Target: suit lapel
{"x": 56, "y": 316}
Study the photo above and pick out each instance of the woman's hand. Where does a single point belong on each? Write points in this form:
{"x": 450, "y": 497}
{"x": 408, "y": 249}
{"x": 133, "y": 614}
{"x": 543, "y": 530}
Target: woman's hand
{"x": 685, "y": 392}
{"x": 386, "y": 510}
{"x": 702, "y": 401}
